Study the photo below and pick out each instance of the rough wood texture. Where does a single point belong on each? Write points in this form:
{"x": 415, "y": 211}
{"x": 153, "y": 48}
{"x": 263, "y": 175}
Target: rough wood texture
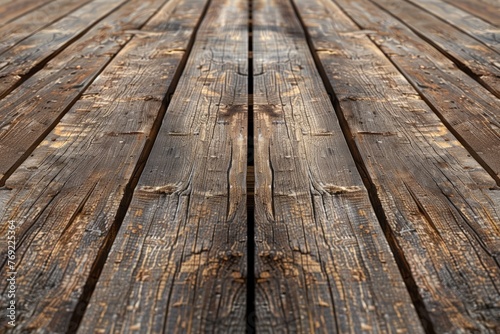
{"x": 32, "y": 110}
{"x": 178, "y": 264}
{"x": 469, "y": 54}
{"x": 440, "y": 207}
{"x": 64, "y": 199}
{"x": 323, "y": 263}
{"x": 23, "y": 58}
{"x": 470, "y": 24}
{"x": 488, "y": 11}
{"x": 24, "y": 26}
{"x": 370, "y": 215}
{"x": 467, "y": 108}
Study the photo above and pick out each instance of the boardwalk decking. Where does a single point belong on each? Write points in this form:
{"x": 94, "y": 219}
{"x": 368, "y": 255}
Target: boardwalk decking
{"x": 188, "y": 166}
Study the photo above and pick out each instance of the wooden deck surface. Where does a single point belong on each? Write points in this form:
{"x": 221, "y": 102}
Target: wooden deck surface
{"x": 192, "y": 166}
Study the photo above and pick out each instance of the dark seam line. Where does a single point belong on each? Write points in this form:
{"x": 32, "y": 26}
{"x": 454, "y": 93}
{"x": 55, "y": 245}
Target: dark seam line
{"x": 250, "y": 302}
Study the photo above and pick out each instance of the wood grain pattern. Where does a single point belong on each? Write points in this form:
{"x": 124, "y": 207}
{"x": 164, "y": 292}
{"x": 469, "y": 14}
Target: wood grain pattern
{"x": 441, "y": 209}
{"x": 469, "y": 54}
{"x": 23, "y": 58}
{"x": 467, "y": 109}
{"x": 32, "y": 110}
{"x": 65, "y": 197}
{"x": 485, "y": 10}
{"x": 26, "y": 25}
{"x": 178, "y": 264}
{"x": 323, "y": 264}
{"x": 470, "y": 24}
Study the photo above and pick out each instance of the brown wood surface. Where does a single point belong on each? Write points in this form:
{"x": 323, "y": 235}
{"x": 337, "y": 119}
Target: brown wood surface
{"x": 323, "y": 264}
{"x": 24, "y": 26}
{"x": 470, "y": 24}
{"x": 467, "y": 108}
{"x": 66, "y": 197}
{"x": 178, "y": 264}
{"x": 439, "y": 207}
{"x": 129, "y": 131}
{"x": 32, "y": 110}
{"x": 468, "y": 53}
{"x": 10, "y": 10}
{"x": 486, "y": 10}
{"x": 21, "y": 60}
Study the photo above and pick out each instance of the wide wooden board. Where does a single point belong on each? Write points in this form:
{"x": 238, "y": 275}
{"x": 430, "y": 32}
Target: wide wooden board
{"x": 439, "y": 206}
{"x": 67, "y": 200}
{"x": 178, "y": 264}
{"x": 322, "y": 262}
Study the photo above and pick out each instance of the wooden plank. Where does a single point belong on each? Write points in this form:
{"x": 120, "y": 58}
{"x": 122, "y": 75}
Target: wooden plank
{"x": 17, "y": 30}
{"x": 178, "y": 263}
{"x": 470, "y": 55}
{"x": 470, "y": 24}
{"x": 322, "y": 262}
{"x": 10, "y": 10}
{"x": 32, "y": 110}
{"x": 439, "y": 206}
{"x": 466, "y": 108}
{"x": 485, "y": 10}
{"x": 65, "y": 198}
{"x": 24, "y": 58}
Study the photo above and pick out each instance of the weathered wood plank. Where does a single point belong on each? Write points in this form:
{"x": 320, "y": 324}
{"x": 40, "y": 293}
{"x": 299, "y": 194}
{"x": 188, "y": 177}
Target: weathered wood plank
{"x": 441, "y": 209}
{"x": 19, "y": 29}
{"x": 65, "y": 198}
{"x": 32, "y": 110}
{"x": 178, "y": 262}
{"x": 485, "y": 10}
{"x": 470, "y": 24}
{"x": 467, "y": 108}
{"x": 10, "y": 10}
{"x": 22, "y": 59}
{"x": 323, "y": 263}
{"x": 469, "y": 54}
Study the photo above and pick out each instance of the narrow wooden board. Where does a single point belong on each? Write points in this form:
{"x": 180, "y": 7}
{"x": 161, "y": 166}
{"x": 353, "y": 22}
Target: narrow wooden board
{"x": 17, "y": 30}
{"x": 441, "y": 209}
{"x": 469, "y": 54}
{"x": 323, "y": 264}
{"x": 488, "y": 11}
{"x": 470, "y": 24}
{"x": 10, "y": 10}
{"x": 178, "y": 264}
{"x": 32, "y": 110}
{"x": 65, "y": 198}
{"x": 24, "y": 58}
{"x": 467, "y": 108}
